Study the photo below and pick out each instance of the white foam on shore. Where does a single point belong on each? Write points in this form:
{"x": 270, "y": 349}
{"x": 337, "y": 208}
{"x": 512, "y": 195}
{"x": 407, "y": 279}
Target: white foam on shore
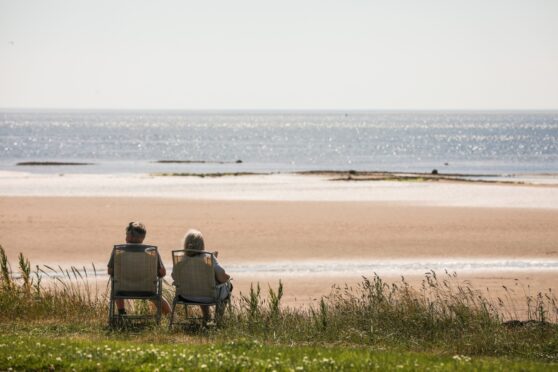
{"x": 279, "y": 187}
{"x": 358, "y": 268}
{"x": 391, "y": 267}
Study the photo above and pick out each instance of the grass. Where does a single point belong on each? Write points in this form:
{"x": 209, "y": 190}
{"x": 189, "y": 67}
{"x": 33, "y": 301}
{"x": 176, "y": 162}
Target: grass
{"x": 27, "y": 352}
{"x": 433, "y": 176}
{"x": 373, "y": 325}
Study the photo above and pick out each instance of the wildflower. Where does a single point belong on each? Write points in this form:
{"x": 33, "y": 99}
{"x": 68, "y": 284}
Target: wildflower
{"x": 461, "y": 358}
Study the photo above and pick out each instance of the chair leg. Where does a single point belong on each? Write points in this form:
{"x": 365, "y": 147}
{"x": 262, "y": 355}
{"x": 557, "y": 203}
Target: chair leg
{"x": 160, "y": 300}
{"x": 219, "y": 312}
{"x": 222, "y": 306}
{"x": 172, "y": 313}
{"x": 159, "y": 305}
{"x": 111, "y": 303}
{"x": 111, "y": 313}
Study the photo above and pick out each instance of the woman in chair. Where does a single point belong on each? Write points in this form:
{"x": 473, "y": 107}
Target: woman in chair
{"x": 193, "y": 240}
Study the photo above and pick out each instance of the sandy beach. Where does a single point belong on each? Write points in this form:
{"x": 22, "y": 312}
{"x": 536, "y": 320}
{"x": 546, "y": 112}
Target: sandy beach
{"x": 309, "y": 245}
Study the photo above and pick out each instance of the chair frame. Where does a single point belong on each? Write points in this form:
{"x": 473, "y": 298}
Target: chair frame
{"x": 179, "y": 300}
{"x": 115, "y": 319}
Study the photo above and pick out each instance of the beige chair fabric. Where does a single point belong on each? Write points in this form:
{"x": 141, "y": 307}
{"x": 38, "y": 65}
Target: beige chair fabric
{"x": 135, "y": 271}
{"x": 194, "y": 276}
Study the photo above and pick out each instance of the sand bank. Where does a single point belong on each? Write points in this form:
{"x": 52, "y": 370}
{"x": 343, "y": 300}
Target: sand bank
{"x": 282, "y": 187}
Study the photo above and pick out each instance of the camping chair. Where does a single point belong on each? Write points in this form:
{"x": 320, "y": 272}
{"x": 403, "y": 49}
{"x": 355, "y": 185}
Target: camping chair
{"x": 135, "y": 277}
{"x": 194, "y": 278}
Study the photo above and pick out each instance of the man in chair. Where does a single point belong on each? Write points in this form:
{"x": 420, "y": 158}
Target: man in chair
{"x": 135, "y": 234}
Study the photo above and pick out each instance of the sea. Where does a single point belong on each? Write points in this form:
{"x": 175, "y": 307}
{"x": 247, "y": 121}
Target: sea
{"x": 453, "y": 142}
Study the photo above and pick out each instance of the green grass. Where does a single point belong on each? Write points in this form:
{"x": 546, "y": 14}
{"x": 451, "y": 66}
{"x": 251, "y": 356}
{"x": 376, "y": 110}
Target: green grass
{"x": 372, "y": 324}
{"x": 22, "y": 351}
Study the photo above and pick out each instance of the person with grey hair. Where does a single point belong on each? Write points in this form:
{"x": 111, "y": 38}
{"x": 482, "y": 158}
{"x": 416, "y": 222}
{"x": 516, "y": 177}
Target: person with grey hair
{"x": 193, "y": 240}
{"x": 135, "y": 234}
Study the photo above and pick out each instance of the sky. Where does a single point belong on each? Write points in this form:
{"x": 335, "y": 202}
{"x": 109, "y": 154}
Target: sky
{"x": 260, "y": 54}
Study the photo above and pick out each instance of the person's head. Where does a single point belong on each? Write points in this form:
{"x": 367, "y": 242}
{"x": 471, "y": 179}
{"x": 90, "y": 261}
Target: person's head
{"x": 135, "y": 232}
{"x": 194, "y": 240}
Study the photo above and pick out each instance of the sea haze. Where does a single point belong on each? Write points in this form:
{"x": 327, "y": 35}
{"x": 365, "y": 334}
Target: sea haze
{"x": 282, "y": 141}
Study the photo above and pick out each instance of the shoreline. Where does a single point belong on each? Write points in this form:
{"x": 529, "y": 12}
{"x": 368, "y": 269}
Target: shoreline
{"x": 285, "y": 187}
{"x": 333, "y": 174}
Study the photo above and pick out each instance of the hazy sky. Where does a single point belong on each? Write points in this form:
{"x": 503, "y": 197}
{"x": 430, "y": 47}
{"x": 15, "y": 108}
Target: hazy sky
{"x": 211, "y": 54}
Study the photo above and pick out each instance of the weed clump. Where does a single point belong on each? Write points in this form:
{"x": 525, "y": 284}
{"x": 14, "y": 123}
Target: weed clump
{"x": 69, "y": 295}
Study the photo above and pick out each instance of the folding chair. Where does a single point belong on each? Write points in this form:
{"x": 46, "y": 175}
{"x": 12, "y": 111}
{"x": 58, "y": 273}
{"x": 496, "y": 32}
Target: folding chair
{"x": 194, "y": 278}
{"x": 135, "y": 278}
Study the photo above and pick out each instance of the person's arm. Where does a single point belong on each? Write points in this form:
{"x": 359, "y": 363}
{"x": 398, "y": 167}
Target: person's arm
{"x": 220, "y": 275}
{"x": 162, "y": 271}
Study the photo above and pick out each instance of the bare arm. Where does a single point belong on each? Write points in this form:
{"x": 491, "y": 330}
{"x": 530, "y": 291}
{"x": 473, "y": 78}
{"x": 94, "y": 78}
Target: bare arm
{"x": 161, "y": 272}
{"x": 222, "y": 276}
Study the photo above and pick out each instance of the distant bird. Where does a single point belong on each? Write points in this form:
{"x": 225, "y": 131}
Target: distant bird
{"x": 12, "y": 43}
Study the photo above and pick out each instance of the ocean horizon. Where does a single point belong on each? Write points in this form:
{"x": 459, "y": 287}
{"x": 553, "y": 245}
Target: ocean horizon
{"x": 269, "y": 141}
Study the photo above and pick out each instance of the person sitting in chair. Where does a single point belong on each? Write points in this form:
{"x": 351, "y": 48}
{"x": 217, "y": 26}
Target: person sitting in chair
{"x": 193, "y": 240}
{"x": 135, "y": 234}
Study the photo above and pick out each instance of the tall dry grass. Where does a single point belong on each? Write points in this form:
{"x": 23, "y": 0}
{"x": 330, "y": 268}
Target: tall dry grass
{"x": 47, "y": 293}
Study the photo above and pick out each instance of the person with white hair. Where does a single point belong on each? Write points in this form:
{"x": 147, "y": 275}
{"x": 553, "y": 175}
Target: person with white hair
{"x": 193, "y": 241}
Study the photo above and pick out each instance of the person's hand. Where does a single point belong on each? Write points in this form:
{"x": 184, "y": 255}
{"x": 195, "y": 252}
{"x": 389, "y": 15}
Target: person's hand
{"x": 216, "y": 253}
